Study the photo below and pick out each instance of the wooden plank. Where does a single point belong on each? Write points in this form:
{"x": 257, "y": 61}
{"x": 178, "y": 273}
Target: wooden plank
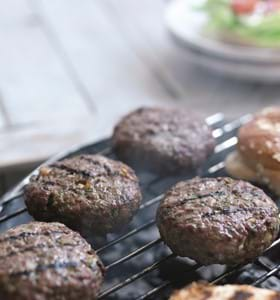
{"x": 115, "y": 77}
{"x": 30, "y": 144}
{"x": 33, "y": 81}
{"x": 141, "y": 23}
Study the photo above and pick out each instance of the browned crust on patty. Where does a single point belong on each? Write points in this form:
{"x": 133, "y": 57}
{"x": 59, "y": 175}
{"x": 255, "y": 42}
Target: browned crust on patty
{"x": 42, "y": 261}
{"x": 163, "y": 139}
{"x": 217, "y": 220}
{"x": 89, "y": 193}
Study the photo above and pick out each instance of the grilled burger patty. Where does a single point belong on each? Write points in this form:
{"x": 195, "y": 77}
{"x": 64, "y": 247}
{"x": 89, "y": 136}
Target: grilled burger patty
{"x": 163, "y": 139}
{"x": 89, "y": 193}
{"x": 217, "y": 220}
{"x": 202, "y": 291}
{"x": 47, "y": 261}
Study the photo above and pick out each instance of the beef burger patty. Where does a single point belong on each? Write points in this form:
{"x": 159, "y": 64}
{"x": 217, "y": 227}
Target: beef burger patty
{"x": 89, "y": 193}
{"x": 163, "y": 139}
{"x": 47, "y": 261}
{"x": 217, "y": 220}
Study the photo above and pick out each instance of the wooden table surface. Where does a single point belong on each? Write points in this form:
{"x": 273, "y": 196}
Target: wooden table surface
{"x": 69, "y": 69}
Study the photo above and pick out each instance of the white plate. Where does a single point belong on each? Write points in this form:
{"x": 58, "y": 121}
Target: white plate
{"x": 186, "y": 24}
{"x": 240, "y": 71}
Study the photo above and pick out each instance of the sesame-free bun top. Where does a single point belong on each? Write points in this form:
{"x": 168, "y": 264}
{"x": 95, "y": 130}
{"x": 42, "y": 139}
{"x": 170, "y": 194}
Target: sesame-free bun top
{"x": 204, "y": 291}
{"x": 259, "y": 139}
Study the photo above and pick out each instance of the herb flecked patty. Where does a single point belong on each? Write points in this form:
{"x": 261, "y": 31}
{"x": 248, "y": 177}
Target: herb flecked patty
{"x": 47, "y": 261}
{"x": 88, "y": 193}
{"x": 217, "y": 220}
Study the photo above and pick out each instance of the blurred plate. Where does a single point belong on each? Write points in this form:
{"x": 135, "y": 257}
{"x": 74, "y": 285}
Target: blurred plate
{"x": 241, "y": 71}
{"x": 186, "y": 25}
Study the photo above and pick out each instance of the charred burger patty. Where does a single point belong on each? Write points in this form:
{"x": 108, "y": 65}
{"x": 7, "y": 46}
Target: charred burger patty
{"x": 43, "y": 261}
{"x": 89, "y": 193}
{"x": 163, "y": 139}
{"x": 217, "y": 220}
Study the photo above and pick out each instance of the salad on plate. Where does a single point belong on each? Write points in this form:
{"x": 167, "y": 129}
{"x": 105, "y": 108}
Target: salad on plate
{"x": 250, "y": 22}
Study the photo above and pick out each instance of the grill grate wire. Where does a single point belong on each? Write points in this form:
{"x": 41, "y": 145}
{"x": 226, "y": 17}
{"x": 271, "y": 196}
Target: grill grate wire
{"x": 225, "y": 136}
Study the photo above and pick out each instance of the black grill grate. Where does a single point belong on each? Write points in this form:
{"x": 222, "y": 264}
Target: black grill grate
{"x": 139, "y": 265}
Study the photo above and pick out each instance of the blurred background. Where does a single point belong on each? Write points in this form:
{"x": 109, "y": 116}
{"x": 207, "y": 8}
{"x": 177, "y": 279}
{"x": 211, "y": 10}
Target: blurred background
{"x": 69, "y": 69}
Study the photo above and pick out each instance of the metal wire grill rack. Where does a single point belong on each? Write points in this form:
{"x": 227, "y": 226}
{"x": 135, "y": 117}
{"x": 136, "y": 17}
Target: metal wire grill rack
{"x": 139, "y": 265}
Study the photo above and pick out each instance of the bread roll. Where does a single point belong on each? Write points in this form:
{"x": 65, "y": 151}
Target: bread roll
{"x": 258, "y": 151}
{"x": 203, "y": 291}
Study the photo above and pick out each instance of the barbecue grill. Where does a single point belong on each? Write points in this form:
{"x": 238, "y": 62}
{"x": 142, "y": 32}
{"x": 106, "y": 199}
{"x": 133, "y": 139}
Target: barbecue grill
{"x": 139, "y": 265}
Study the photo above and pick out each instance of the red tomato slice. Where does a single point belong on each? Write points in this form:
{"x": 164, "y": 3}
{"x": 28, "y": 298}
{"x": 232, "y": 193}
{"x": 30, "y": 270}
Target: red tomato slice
{"x": 241, "y": 7}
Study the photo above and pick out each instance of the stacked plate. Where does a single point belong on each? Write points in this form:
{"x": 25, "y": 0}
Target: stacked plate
{"x": 244, "y": 62}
